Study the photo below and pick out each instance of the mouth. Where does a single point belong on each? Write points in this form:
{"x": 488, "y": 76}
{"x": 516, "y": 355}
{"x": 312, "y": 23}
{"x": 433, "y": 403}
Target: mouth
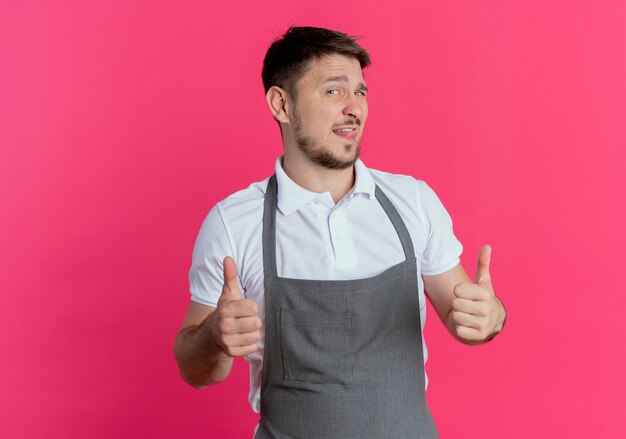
{"x": 347, "y": 133}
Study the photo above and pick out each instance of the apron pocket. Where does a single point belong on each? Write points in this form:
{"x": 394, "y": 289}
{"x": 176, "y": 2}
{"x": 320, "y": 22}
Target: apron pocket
{"x": 317, "y": 347}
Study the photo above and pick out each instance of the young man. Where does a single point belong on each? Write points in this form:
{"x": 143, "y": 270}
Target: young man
{"x": 333, "y": 259}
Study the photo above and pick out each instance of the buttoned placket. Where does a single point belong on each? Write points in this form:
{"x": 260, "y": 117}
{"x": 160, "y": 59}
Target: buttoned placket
{"x": 342, "y": 243}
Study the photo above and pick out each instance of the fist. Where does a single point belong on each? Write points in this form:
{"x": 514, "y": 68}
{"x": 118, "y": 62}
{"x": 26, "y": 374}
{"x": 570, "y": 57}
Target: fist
{"x": 235, "y": 324}
{"x": 476, "y": 310}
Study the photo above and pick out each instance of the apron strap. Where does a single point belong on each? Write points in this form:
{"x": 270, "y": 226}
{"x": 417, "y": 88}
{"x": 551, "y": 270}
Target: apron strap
{"x": 269, "y": 230}
{"x": 398, "y": 224}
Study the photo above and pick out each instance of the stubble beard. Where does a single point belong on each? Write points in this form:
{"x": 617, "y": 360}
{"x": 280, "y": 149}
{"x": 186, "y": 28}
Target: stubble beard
{"x": 321, "y": 154}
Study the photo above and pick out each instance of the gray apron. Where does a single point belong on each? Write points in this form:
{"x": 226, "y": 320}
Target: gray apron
{"x": 343, "y": 358}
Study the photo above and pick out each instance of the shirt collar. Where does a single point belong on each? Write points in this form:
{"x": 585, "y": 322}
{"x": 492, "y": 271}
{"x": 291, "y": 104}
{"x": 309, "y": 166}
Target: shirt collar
{"x": 292, "y": 197}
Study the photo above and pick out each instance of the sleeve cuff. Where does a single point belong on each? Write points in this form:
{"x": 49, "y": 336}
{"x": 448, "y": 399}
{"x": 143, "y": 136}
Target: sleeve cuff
{"x": 443, "y": 268}
{"x": 198, "y": 299}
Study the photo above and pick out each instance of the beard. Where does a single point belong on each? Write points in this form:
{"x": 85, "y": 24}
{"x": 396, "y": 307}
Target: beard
{"x": 322, "y": 155}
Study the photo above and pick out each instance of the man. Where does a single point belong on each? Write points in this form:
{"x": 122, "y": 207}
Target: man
{"x": 333, "y": 259}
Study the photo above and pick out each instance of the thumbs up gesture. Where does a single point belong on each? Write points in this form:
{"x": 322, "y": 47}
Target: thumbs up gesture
{"x": 476, "y": 310}
{"x": 236, "y": 324}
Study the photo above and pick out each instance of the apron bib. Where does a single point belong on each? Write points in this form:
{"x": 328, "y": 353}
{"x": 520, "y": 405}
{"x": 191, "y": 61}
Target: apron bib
{"x": 343, "y": 358}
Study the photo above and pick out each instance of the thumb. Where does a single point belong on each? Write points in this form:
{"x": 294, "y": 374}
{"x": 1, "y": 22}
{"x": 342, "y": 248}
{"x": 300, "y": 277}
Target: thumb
{"x": 482, "y": 266}
{"x": 231, "y": 287}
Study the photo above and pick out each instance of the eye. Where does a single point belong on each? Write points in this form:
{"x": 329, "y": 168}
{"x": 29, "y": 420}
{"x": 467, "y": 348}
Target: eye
{"x": 333, "y": 91}
{"x": 360, "y": 92}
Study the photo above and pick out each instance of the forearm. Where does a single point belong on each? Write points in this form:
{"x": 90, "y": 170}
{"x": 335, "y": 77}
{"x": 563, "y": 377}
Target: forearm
{"x": 200, "y": 360}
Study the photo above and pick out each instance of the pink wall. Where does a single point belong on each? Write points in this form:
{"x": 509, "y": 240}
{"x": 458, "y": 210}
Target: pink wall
{"x": 121, "y": 125}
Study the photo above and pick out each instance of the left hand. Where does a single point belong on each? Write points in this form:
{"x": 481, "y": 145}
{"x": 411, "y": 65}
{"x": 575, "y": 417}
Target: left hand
{"x": 476, "y": 310}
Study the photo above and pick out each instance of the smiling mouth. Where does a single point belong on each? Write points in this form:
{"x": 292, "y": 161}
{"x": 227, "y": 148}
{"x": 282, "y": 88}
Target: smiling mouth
{"x": 346, "y": 133}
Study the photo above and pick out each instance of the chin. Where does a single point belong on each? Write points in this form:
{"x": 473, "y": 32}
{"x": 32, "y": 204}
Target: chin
{"x": 352, "y": 154}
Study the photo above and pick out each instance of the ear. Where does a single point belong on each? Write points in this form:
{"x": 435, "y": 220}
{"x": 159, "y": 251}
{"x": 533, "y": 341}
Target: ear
{"x": 276, "y": 99}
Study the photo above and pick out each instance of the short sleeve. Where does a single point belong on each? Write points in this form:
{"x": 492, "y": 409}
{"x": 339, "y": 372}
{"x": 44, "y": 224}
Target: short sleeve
{"x": 443, "y": 249}
{"x": 206, "y": 275}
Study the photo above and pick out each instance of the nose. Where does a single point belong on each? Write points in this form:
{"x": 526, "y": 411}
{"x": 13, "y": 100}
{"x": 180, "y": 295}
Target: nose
{"x": 355, "y": 107}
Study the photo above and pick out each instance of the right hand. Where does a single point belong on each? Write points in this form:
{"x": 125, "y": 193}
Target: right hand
{"x": 235, "y": 325}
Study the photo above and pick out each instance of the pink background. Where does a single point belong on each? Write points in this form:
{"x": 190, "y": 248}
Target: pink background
{"x": 121, "y": 124}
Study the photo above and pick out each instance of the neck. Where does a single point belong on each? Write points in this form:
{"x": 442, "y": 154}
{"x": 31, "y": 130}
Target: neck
{"x": 316, "y": 178}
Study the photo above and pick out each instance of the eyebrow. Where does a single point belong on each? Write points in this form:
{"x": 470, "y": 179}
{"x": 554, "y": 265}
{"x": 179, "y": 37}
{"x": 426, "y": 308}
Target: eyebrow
{"x": 343, "y": 78}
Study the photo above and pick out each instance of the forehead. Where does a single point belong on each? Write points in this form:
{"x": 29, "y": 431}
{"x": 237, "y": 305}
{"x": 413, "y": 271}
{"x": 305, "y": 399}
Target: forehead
{"x": 318, "y": 70}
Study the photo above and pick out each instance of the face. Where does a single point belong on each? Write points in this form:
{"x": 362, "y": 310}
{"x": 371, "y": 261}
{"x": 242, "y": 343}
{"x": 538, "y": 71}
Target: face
{"x": 329, "y": 111}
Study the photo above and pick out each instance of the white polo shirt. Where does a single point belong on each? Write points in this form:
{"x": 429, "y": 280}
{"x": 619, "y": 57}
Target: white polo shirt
{"x": 318, "y": 239}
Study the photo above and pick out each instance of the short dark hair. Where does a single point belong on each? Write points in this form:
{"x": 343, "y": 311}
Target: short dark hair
{"x": 289, "y": 55}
